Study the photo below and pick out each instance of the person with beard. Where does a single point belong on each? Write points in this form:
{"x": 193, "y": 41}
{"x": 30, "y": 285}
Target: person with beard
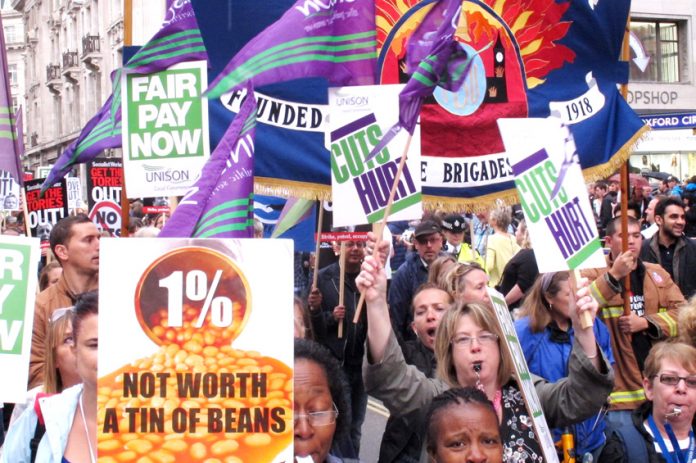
{"x": 349, "y": 347}
{"x": 655, "y": 299}
{"x": 670, "y": 248}
{"x": 402, "y": 439}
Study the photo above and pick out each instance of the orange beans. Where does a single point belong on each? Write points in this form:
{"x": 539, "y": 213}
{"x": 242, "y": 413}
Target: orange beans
{"x": 218, "y": 434}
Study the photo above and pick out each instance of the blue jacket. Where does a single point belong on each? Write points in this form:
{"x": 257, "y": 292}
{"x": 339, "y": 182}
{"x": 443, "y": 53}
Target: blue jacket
{"x": 547, "y": 354}
{"x": 58, "y": 412}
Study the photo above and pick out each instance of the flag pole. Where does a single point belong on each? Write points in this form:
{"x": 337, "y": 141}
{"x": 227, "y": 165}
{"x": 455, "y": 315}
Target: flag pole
{"x": 625, "y": 182}
{"x": 387, "y": 210}
{"x": 127, "y": 41}
{"x": 341, "y": 285}
{"x": 320, "y": 219}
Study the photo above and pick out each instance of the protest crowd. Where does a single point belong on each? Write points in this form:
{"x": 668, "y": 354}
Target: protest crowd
{"x": 427, "y": 343}
{"x": 560, "y": 328}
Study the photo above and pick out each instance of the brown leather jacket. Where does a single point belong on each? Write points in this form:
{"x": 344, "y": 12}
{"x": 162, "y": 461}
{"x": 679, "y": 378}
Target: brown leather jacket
{"x": 49, "y": 300}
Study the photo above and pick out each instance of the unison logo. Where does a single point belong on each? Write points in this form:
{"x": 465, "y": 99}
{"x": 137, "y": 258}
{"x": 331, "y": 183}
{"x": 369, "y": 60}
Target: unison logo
{"x": 316, "y": 6}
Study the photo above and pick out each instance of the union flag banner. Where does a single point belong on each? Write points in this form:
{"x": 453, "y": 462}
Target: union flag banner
{"x": 531, "y": 58}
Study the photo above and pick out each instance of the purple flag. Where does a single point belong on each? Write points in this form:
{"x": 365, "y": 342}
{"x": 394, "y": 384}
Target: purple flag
{"x": 20, "y": 133}
{"x": 9, "y": 157}
{"x": 435, "y": 59}
{"x": 334, "y": 40}
{"x": 221, "y": 203}
{"x": 177, "y": 41}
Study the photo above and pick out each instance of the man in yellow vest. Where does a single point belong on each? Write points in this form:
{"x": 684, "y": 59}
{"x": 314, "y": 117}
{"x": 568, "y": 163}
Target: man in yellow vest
{"x": 453, "y": 227}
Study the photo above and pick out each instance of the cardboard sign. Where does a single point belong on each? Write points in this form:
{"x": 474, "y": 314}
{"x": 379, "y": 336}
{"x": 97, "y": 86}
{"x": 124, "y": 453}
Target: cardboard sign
{"x": 46, "y": 210}
{"x": 562, "y": 228}
{"x": 195, "y": 353}
{"x": 9, "y": 192}
{"x": 524, "y": 378}
{"x": 73, "y": 186}
{"x": 359, "y": 116}
{"x": 165, "y": 130}
{"x": 104, "y": 185}
{"x": 19, "y": 257}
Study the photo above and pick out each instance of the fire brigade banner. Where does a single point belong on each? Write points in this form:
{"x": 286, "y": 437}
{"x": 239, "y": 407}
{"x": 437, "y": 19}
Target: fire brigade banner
{"x": 165, "y": 129}
{"x": 203, "y": 374}
{"x": 19, "y": 257}
{"x": 104, "y": 183}
{"x": 358, "y": 117}
{"x": 46, "y": 210}
{"x": 532, "y": 58}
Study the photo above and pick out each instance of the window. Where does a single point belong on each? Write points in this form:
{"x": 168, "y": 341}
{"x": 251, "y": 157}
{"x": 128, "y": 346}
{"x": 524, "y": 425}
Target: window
{"x": 10, "y": 34}
{"x": 12, "y": 71}
{"x": 658, "y": 53}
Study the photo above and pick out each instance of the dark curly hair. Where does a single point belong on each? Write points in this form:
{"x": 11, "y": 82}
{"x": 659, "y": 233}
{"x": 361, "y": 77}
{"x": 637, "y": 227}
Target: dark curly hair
{"x": 338, "y": 386}
{"x": 455, "y": 396}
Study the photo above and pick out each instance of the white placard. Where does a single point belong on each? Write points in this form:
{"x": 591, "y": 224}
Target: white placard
{"x": 358, "y": 117}
{"x": 562, "y": 228}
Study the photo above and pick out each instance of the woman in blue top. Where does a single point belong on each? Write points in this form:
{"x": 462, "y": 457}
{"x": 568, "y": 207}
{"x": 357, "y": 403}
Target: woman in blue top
{"x": 546, "y": 336}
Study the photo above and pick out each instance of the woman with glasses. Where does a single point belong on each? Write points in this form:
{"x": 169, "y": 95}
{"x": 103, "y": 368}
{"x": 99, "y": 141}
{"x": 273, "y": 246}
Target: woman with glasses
{"x": 666, "y": 421}
{"x": 469, "y": 352}
{"x": 546, "y": 336}
{"x": 321, "y": 405}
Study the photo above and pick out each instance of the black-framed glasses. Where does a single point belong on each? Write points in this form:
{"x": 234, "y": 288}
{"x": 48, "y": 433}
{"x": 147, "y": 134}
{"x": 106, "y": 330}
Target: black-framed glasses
{"x": 483, "y": 339}
{"x": 670, "y": 379}
{"x": 324, "y": 418}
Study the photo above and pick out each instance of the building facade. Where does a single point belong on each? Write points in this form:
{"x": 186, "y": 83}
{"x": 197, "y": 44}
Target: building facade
{"x": 71, "y": 49}
{"x": 663, "y": 81}
{"x": 13, "y": 28}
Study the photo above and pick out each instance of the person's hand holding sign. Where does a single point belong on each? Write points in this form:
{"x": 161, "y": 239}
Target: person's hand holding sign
{"x": 632, "y": 323}
{"x": 624, "y": 264}
{"x": 339, "y": 312}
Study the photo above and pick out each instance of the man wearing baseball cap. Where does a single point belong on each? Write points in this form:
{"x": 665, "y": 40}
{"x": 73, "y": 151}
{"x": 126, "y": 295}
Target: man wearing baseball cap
{"x": 411, "y": 274}
{"x": 453, "y": 229}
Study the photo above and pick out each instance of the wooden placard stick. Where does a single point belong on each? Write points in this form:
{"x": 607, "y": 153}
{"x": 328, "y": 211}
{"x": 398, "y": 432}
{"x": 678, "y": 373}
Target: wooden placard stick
{"x": 585, "y": 318}
{"x": 320, "y": 219}
{"x": 625, "y": 56}
{"x": 387, "y": 210}
{"x": 25, "y": 211}
{"x": 342, "y": 284}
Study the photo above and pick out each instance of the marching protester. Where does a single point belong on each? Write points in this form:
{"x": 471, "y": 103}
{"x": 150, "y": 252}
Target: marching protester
{"x": 321, "y": 405}
{"x": 482, "y": 230}
{"x": 348, "y": 346}
{"x": 662, "y": 428}
{"x": 411, "y": 274}
{"x": 438, "y": 270}
{"x": 49, "y": 275}
{"x": 654, "y": 308}
{"x": 521, "y": 271}
{"x": 462, "y": 425}
{"x": 453, "y": 227}
{"x": 546, "y": 336}
{"x": 649, "y": 227}
{"x": 501, "y": 245}
{"x": 467, "y": 282}
{"x": 402, "y": 438}
{"x": 62, "y": 428}
{"x": 59, "y": 367}
{"x": 469, "y": 352}
{"x": 75, "y": 243}
{"x": 670, "y": 248}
